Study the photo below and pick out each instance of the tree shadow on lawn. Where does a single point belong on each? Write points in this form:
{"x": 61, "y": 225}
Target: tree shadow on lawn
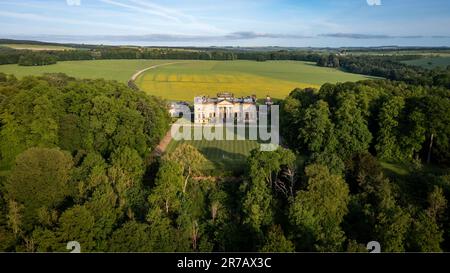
{"x": 224, "y": 161}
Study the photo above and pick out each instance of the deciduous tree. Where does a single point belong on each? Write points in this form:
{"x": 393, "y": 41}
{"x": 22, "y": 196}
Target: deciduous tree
{"x": 318, "y": 211}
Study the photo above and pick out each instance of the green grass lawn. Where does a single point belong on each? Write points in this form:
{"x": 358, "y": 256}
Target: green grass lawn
{"x": 120, "y": 70}
{"x": 36, "y": 47}
{"x": 403, "y": 168}
{"x": 183, "y": 81}
{"x": 431, "y": 62}
{"x": 224, "y": 155}
{"x": 397, "y": 169}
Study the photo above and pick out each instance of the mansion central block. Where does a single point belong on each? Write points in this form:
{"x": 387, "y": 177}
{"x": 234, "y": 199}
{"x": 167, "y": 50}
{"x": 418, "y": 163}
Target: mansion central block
{"x": 225, "y": 108}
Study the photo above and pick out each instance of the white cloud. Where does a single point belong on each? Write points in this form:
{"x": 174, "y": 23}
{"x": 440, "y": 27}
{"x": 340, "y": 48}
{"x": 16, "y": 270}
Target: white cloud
{"x": 173, "y": 15}
{"x": 140, "y": 9}
{"x": 374, "y": 2}
{"x": 73, "y": 2}
{"x": 74, "y": 22}
{"x": 161, "y": 9}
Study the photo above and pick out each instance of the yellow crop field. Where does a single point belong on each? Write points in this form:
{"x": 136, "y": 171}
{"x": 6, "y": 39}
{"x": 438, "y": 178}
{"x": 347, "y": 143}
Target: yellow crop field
{"x": 183, "y": 81}
{"x": 240, "y": 85}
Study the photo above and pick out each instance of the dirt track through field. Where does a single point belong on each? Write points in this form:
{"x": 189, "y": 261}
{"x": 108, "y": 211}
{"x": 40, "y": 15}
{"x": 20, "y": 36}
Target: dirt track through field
{"x": 162, "y": 146}
{"x": 137, "y": 74}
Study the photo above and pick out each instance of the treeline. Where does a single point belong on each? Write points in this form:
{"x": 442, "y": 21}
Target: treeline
{"x": 286, "y": 55}
{"x": 11, "y": 56}
{"x": 164, "y": 53}
{"x": 27, "y": 57}
{"x": 211, "y": 54}
{"x": 37, "y": 58}
{"x": 389, "y": 67}
{"x": 32, "y": 58}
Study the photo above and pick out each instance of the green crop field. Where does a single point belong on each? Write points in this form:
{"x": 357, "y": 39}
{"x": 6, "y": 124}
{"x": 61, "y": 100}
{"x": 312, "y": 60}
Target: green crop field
{"x": 120, "y": 70}
{"x": 183, "y": 81}
{"x": 432, "y": 62}
{"x": 36, "y": 47}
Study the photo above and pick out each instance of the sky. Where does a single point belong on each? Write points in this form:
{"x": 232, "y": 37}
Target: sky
{"x": 288, "y": 23}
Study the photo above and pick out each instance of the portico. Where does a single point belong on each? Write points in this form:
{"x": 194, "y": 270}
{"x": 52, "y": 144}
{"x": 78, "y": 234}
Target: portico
{"x": 224, "y": 108}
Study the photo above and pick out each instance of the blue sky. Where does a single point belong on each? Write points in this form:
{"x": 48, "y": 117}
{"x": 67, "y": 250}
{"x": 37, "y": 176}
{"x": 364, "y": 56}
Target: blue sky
{"x": 230, "y": 23}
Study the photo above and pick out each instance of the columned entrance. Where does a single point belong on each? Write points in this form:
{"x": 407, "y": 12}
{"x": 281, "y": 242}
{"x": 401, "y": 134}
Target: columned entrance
{"x": 225, "y": 113}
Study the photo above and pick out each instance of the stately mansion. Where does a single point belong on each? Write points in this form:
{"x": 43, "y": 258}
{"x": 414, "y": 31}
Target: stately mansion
{"x": 225, "y": 107}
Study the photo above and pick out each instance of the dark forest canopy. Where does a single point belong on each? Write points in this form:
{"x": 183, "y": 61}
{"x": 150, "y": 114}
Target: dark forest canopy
{"x": 394, "y": 120}
{"x": 37, "y": 58}
{"x": 69, "y": 149}
{"x": 12, "y": 56}
{"x": 76, "y": 165}
{"x": 77, "y": 116}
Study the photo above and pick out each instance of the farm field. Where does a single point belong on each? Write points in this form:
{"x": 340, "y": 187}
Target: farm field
{"x": 432, "y": 62}
{"x": 36, "y": 47}
{"x": 183, "y": 81}
{"x": 120, "y": 70}
{"x": 188, "y": 78}
{"x": 424, "y": 53}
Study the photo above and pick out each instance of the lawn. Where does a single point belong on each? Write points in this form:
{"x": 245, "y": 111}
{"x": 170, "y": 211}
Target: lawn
{"x": 431, "y": 62}
{"x": 396, "y": 168}
{"x": 120, "y": 70}
{"x": 404, "y": 168}
{"x": 183, "y": 81}
{"x": 224, "y": 155}
{"x": 36, "y": 47}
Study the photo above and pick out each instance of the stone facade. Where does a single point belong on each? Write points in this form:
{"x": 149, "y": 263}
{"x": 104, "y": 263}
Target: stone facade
{"x": 225, "y": 107}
